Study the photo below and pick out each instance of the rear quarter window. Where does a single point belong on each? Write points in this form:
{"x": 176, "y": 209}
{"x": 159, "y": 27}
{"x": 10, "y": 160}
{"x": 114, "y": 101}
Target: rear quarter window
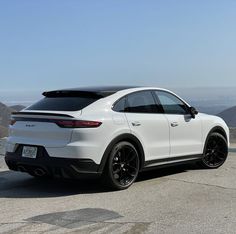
{"x": 119, "y": 106}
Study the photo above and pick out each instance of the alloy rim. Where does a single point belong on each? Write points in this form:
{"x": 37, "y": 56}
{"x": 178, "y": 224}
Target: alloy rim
{"x": 216, "y": 152}
{"x": 125, "y": 165}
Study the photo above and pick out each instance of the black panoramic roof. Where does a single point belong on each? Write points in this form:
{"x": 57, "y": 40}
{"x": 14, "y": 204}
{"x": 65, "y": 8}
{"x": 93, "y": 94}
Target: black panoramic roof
{"x": 96, "y": 91}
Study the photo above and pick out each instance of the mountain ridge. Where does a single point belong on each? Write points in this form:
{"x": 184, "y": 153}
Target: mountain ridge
{"x": 229, "y": 116}
{"x": 5, "y": 114}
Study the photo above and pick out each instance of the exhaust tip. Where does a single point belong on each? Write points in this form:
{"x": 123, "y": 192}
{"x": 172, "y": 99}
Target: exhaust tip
{"x": 40, "y": 172}
{"x": 21, "y": 168}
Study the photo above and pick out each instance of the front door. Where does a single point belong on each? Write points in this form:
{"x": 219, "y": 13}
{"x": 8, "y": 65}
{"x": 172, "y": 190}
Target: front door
{"x": 185, "y": 131}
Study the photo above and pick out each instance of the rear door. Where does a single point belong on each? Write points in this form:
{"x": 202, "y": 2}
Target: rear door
{"x": 148, "y": 123}
{"x": 185, "y": 131}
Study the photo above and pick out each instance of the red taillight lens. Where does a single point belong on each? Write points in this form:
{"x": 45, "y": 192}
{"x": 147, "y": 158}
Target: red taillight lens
{"x": 77, "y": 123}
{"x": 12, "y": 121}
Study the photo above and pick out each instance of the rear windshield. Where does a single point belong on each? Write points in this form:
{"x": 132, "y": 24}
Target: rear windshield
{"x": 63, "y": 103}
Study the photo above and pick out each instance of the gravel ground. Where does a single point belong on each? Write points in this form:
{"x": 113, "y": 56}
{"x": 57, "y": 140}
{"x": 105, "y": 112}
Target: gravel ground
{"x": 182, "y": 199}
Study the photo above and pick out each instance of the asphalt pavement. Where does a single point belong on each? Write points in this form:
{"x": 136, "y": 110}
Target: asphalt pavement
{"x": 181, "y": 199}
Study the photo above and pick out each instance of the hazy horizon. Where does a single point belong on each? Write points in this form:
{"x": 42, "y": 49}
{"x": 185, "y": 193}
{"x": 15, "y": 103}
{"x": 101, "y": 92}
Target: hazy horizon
{"x": 185, "y": 46}
{"x": 203, "y": 96}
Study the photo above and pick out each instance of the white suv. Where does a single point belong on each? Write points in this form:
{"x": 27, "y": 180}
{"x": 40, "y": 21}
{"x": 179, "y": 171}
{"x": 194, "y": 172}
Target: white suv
{"x": 114, "y": 132}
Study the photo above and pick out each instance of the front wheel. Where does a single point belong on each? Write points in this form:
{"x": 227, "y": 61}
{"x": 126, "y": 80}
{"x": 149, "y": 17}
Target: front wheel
{"x": 122, "y": 166}
{"x": 216, "y": 151}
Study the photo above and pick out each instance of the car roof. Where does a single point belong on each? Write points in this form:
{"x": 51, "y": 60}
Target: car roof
{"x": 102, "y": 91}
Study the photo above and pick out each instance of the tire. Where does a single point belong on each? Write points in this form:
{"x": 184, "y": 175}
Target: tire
{"x": 215, "y": 151}
{"x": 122, "y": 166}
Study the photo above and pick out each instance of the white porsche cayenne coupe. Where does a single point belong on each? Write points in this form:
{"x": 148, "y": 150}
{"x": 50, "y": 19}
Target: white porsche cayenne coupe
{"x": 115, "y": 132}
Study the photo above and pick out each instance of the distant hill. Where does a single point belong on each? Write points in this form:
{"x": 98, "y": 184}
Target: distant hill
{"x": 229, "y": 116}
{"x": 5, "y": 113}
{"x": 211, "y": 110}
{"x": 233, "y": 135}
{"x": 3, "y": 131}
{"x": 17, "y": 107}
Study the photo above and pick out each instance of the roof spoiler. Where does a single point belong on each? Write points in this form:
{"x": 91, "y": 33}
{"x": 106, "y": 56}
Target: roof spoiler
{"x": 40, "y": 113}
{"x": 73, "y": 93}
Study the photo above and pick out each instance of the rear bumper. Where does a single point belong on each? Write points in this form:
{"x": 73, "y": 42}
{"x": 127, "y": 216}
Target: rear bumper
{"x": 53, "y": 166}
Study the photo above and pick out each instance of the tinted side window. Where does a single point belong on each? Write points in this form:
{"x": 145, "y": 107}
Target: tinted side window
{"x": 141, "y": 102}
{"x": 171, "y": 104}
{"x": 120, "y": 105}
{"x": 62, "y": 103}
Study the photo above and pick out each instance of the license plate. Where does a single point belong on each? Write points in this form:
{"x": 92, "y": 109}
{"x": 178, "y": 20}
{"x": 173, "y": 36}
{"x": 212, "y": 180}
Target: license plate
{"x": 29, "y": 152}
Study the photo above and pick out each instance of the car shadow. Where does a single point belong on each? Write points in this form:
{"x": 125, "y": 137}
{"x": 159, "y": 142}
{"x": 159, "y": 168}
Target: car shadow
{"x": 166, "y": 170}
{"x": 21, "y": 185}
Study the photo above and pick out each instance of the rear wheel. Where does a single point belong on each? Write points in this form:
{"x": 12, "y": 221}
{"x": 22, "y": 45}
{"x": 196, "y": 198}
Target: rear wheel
{"x": 216, "y": 151}
{"x": 122, "y": 166}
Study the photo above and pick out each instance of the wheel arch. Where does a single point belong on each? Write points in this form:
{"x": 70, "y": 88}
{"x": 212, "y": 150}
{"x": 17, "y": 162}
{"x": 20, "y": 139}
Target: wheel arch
{"x": 216, "y": 129}
{"x": 220, "y": 130}
{"x": 123, "y": 137}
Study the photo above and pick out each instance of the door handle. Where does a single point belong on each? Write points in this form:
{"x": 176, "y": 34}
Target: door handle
{"x": 174, "y": 124}
{"x": 135, "y": 124}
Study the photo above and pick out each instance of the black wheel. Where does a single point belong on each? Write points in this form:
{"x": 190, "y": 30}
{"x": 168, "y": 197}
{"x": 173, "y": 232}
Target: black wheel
{"x": 122, "y": 166}
{"x": 216, "y": 151}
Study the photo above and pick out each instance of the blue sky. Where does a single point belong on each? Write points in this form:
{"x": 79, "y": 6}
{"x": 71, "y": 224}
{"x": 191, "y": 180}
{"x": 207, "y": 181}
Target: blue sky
{"x": 49, "y": 44}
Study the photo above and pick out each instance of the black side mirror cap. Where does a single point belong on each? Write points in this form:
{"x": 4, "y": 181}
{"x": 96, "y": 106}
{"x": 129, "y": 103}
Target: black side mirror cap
{"x": 193, "y": 111}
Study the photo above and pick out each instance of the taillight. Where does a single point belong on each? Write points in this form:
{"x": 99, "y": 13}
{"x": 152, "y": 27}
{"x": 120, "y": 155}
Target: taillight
{"x": 12, "y": 121}
{"x": 64, "y": 123}
{"x": 77, "y": 123}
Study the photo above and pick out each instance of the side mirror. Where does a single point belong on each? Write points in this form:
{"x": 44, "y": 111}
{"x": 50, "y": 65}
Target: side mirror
{"x": 193, "y": 112}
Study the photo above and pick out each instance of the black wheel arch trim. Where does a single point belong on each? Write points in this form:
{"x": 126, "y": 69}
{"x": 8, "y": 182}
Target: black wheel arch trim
{"x": 123, "y": 137}
{"x": 217, "y": 129}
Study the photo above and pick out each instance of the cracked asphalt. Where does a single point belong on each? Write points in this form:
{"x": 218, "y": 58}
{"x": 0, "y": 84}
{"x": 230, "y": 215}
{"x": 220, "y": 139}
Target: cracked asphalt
{"x": 181, "y": 199}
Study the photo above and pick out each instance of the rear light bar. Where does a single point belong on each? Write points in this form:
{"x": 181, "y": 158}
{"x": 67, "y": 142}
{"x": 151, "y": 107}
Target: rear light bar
{"x": 60, "y": 122}
{"x": 77, "y": 123}
{"x": 12, "y": 121}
